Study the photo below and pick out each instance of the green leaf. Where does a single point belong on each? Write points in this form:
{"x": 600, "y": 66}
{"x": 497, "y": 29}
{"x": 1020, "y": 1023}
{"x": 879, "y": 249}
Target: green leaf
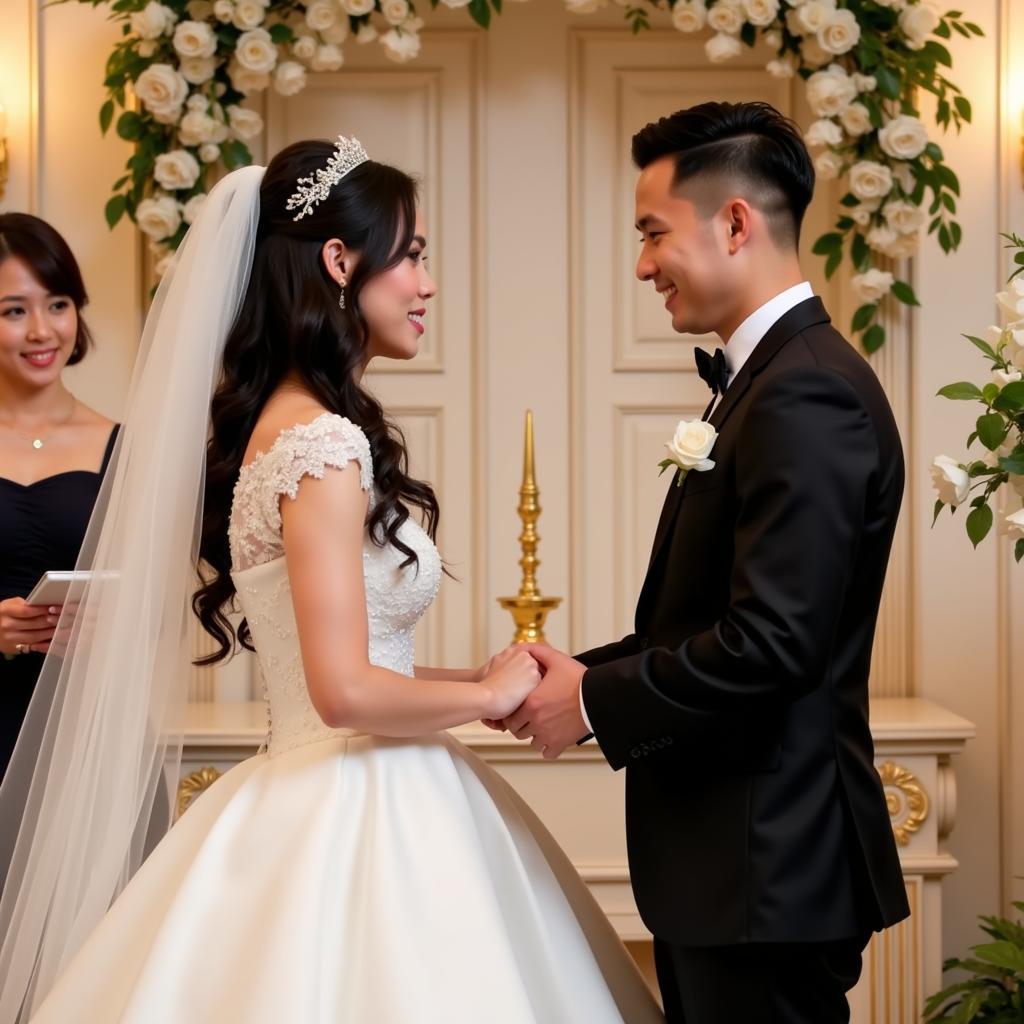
{"x": 939, "y": 506}
{"x": 281, "y": 34}
{"x": 982, "y": 345}
{"x": 1012, "y": 464}
{"x": 937, "y": 52}
{"x": 864, "y": 316}
{"x": 1002, "y": 954}
{"x": 989, "y": 392}
{"x": 828, "y": 243}
{"x": 948, "y": 178}
{"x": 860, "y": 252}
{"x": 991, "y": 430}
{"x": 979, "y": 522}
{"x": 933, "y": 150}
{"x": 962, "y": 391}
{"x": 480, "y": 12}
{"x": 904, "y": 293}
{"x": 114, "y": 209}
{"x": 888, "y": 82}
{"x": 849, "y": 200}
{"x": 1010, "y": 398}
{"x": 129, "y": 126}
{"x": 1018, "y": 550}
{"x": 949, "y": 202}
{"x": 963, "y": 107}
{"x": 874, "y": 338}
{"x": 748, "y": 34}
{"x": 833, "y": 262}
{"x": 957, "y": 234}
{"x": 973, "y": 29}
{"x": 106, "y": 116}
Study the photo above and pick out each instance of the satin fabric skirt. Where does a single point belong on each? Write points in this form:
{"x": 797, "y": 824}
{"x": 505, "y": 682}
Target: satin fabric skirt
{"x": 357, "y": 879}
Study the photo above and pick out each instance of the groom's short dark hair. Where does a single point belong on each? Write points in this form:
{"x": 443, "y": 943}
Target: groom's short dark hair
{"x": 750, "y": 145}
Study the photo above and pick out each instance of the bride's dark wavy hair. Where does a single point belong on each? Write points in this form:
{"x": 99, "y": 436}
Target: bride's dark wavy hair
{"x": 290, "y": 323}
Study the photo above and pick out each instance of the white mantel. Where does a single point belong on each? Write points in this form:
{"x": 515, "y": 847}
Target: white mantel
{"x": 581, "y": 801}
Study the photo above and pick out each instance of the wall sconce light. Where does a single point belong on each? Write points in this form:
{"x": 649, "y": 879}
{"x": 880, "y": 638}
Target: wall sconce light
{"x": 3, "y": 150}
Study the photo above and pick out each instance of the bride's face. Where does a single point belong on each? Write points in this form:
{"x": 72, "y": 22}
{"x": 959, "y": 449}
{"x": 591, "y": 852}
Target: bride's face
{"x": 394, "y": 303}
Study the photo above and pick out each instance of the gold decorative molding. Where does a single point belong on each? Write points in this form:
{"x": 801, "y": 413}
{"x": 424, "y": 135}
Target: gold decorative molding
{"x": 192, "y": 785}
{"x": 906, "y": 799}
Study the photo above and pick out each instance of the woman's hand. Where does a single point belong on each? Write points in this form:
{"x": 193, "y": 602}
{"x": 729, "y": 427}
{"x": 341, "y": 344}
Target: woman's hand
{"x": 26, "y": 627}
{"x": 512, "y": 675}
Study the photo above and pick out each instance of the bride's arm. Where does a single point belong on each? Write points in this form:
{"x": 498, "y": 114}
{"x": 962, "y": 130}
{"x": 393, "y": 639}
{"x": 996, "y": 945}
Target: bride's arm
{"x": 463, "y": 675}
{"x": 322, "y": 529}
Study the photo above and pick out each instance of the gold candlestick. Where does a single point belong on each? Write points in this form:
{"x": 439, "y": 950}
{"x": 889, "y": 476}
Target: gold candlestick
{"x": 529, "y": 609}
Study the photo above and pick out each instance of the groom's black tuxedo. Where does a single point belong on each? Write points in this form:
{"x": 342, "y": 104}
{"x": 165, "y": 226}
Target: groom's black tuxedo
{"x": 740, "y": 704}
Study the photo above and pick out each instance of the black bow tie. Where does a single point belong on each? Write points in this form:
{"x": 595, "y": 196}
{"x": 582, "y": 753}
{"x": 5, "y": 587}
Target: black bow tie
{"x": 713, "y": 370}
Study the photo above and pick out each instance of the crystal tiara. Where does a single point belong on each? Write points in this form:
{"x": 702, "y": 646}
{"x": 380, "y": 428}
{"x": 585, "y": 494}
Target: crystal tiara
{"x": 348, "y": 154}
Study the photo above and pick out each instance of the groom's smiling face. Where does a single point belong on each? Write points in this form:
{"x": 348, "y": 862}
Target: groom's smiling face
{"x": 684, "y": 251}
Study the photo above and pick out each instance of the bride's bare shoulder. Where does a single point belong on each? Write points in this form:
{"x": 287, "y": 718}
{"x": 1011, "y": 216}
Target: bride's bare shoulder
{"x": 284, "y": 409}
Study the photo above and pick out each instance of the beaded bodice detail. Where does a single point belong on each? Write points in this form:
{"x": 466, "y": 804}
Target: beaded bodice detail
{"x": 396, "y": 598}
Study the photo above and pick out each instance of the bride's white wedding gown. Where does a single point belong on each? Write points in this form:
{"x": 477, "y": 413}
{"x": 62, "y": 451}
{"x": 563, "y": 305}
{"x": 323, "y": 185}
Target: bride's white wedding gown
{"x": 343, "y": 877}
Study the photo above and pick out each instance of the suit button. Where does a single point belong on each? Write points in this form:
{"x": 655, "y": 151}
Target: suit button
{"x": 644, "y": 643}
{"x": 634, "y": 752}
{"x": 668, "y": 741}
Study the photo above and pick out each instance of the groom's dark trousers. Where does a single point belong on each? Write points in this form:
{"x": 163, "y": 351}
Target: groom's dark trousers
{"x": 760, "y": 848}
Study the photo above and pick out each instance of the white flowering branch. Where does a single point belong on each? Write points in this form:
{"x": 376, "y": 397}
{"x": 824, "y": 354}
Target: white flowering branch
{"x": 192, "y": 63}
{"x": 999, "y": 429}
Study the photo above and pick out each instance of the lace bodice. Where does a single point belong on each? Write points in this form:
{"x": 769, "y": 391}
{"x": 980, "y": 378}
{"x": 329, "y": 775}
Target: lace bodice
{"x": 396, "y": 598}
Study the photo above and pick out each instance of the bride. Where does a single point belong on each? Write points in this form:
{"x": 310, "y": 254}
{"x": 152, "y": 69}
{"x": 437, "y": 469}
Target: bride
{"x": 364, "y": 867}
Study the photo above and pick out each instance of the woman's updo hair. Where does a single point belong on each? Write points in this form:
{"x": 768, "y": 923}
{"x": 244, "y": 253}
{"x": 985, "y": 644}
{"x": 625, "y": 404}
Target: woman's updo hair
{"x": 290, "y": 323}
{"x": 43, "y": 250}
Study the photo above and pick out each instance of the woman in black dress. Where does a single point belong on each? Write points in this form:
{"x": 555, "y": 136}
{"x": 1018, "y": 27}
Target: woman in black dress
{"x": 53, "y": 448}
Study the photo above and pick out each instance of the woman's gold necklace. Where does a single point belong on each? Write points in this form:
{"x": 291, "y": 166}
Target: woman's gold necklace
{"x": 38, "y": 442}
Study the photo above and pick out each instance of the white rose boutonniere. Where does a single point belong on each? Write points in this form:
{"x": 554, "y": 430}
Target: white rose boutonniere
{"x": 689, "y": 449}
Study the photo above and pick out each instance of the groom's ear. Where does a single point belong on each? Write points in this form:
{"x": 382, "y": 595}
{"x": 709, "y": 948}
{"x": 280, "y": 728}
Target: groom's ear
{"x": 337, "y": 260}
{"x": 739, "y": 216}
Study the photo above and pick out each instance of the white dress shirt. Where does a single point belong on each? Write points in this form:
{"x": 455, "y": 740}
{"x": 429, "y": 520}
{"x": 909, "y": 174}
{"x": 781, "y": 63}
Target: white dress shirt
{"x": 737, "y": 351}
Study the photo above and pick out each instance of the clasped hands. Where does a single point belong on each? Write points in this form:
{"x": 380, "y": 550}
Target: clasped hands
{"x": 549, "y": 716}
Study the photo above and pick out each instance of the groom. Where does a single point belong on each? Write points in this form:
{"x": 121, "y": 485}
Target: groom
{"x": 760, "y": 848}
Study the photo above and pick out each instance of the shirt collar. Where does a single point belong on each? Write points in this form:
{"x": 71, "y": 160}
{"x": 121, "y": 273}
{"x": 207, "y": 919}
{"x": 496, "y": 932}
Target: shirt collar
{"x": 746, "y": 337}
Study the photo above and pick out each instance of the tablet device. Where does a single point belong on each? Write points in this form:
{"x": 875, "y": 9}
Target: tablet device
{"x": 60, "y": 587}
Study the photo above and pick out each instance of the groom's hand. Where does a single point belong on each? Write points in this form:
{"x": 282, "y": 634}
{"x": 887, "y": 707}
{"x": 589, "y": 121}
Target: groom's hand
{"x": 551, "y": 717}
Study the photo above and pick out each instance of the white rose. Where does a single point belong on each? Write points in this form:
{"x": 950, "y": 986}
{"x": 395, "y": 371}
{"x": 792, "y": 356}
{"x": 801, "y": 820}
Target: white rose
{"x": 841, "y": 33}
{"x": 191, "y": 209}
{"x": 950, "y": 479}
{"x": 176, "y": 170}
{"x": 726, "y": 16}
{"x": 761, "y": 12}
{"x": 830, "y": 92}
{"x": 1011, "y": 301}
{"x": 772, "y": 38}
{"x": 366, "y": 34}
{"x": 904, "y": 216}
{"x": 856, "y": 119}
{"x": 722, "y": 47}
{"x": 401, "y": 46}
{"x": 904, "y": 137}
{"x": 328, "y": 58}
{"x": 823, "y": 132}
{"x": 881, "y": 238}
{"x": 813, "y": 16}
{"x": 812, "y": 53}
{"x": 194, "y": 39}
{"x": 197, "y": 70}
{"x": 153, "y": 21}
{"x": 161, "y": 90}
{"x": 861, "y": 216}
{"x": 357, "y": 8}
{"x": 691, "y": 445}
{"x": 248, "y": 14}
{"x": 1004, "y": 377}
{"x": 872, "y": 285}
{"x": 245, "y": 124}
{"x": 828, "y": 165}
{"x": 146, "y": 48}
{"x": 196, "y": 128}
{"x": 783, "y": 67}
{"x": 289, "y": 78}
{"x": 918, "y": 22}
{"x": 321, "y": 15}
{"x": 870, "y": 180}
{"x": 905, "y": 245}
{"x": 209, "y": 153}
{"x": 245, "y": 81}
{"x": 255, "y": 51}
{"x": 197, "y": 101}
{"x": 1014, "y": 524}
{"x": 395, "y": 11}
{"x": 158, "y": 218}
{"x": 864, "y": 83}
{"x": 689, "y": 15}
{"x": 304, "y": 48}
{"x": 223, "y": 11}
{"x": 904, "y": 175}
{"x": 574, "y": 6}
{"x": 337, "y": 33}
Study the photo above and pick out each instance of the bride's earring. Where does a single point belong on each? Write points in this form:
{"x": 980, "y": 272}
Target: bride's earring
{"x": 341, "y": 298}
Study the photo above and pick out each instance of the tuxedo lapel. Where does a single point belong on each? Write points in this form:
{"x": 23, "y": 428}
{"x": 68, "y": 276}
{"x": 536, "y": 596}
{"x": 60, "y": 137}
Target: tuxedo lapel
{"x": 808, "y": 313}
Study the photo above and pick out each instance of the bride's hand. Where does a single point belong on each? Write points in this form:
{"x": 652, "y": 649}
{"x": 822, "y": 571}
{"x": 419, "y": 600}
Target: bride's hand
{"x": 513, "y": 675}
